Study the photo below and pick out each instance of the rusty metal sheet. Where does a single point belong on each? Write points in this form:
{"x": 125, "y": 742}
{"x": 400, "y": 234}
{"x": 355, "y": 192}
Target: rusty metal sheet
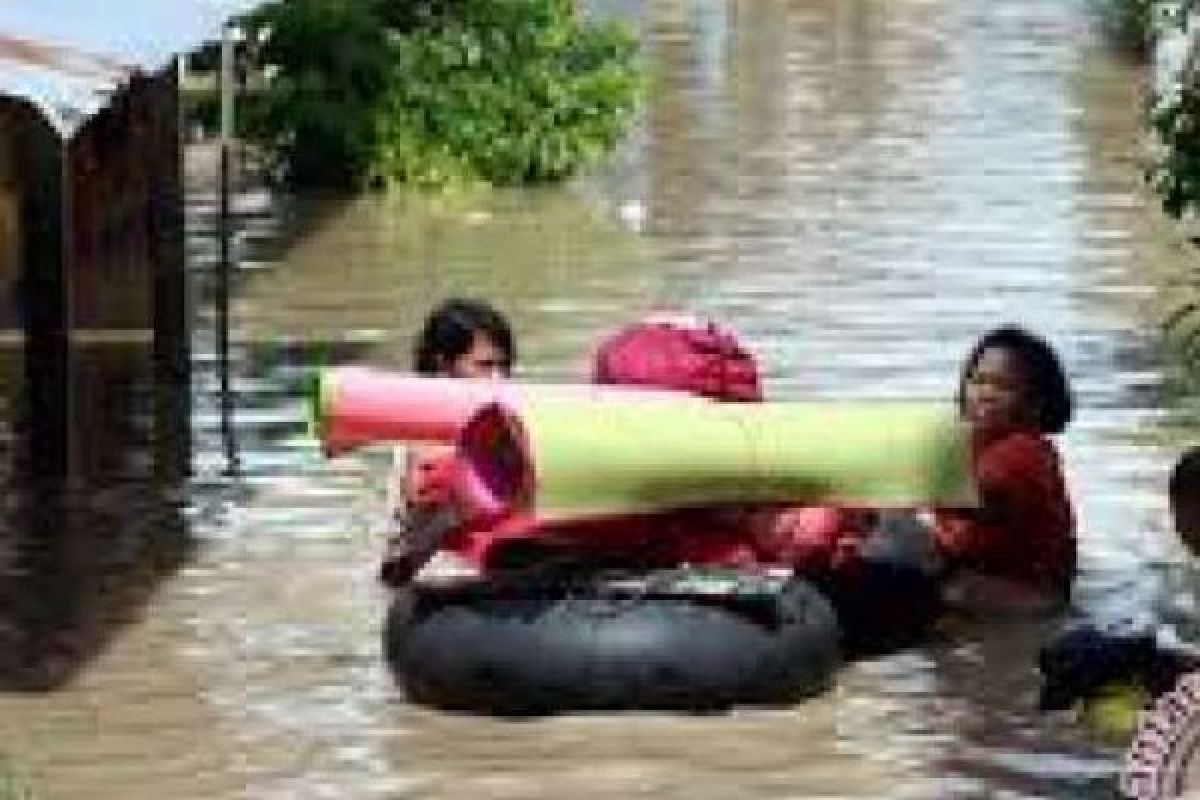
{"x": 67, "y": 58}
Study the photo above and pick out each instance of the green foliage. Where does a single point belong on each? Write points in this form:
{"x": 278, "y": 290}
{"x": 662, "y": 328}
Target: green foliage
{"x": 1175, "y": 174}
{"x": 1175, "y": 118}
{"x": 330, "y": 60}
{"x": 379, "y": 91}
{"x": 1131, "y": 24}
{"x": 1181, "y": 369}
{"x": 202, "y": 110}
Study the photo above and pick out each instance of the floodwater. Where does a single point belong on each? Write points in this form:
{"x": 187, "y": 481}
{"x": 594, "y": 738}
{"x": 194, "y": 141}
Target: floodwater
{"x": 859, "y": 186}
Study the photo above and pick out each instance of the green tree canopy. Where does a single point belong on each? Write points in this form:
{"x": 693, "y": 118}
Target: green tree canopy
{"x": 430, "y": 93}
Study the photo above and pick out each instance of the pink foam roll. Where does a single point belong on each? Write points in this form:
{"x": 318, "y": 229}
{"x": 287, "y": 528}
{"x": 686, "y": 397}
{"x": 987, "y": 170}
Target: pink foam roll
{"x": 356, "y": 406}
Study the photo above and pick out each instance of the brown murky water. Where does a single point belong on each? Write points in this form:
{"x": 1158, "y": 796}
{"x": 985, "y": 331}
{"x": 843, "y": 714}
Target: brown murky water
{"x": 860, "y": 187}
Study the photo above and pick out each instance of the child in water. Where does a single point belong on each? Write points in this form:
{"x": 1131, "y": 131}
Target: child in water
{"x": 1114, "y": 671}
{"x": 461, "y": 338}
{"x": 1017, "y": 551}
{"x": 464, "y": 338}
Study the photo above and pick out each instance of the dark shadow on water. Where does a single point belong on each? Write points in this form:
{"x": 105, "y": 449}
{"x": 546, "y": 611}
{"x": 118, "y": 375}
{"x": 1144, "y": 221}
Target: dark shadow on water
{"x": 78, "y": 565}
{"x": 86, "y": 545}
{"x": 82, "y": 555}
{"x": 985, "y": 675}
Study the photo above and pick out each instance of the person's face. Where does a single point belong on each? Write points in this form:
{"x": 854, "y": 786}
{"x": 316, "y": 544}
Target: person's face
{"x": 483, "y": 360}
{"x": 997, "y": 390}
{"x": 1185, "y": 513}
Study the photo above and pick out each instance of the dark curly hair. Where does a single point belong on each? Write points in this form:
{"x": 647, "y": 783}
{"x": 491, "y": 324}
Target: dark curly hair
{"x": 1185, "y": 476}
{"x": 1051, "y": 392}
{"x": 450, "y": 330}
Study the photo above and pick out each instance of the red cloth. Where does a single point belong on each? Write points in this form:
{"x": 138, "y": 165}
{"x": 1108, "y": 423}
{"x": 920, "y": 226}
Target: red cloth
{"x": 688, "y": 355}
{"x": 1025, "y": 529}
{"x": 812, "y": 540}
{"x": 694, "y": 356}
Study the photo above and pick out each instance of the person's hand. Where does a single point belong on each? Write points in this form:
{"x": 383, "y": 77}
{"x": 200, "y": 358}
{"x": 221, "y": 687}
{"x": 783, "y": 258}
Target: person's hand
{"x": 409, "y": 549}
{"x": 801, "y": 536}
{"x": 847, "y": 551}
{"x": 430, "y": 480}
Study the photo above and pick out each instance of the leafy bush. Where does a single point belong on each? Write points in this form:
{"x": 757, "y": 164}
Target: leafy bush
{"x": 376, "y": 91}
{"x": 1131, "y": 24}
{"x": 1175, "y": 175}
{"x": 1175, "y": 118}
{"x": 326, "y": 68}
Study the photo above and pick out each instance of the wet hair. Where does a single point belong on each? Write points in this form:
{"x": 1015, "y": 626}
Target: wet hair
{"x": 450, "y": 330}
{"x": 1051, "y": 394}
{"x": 1185, "y": 477}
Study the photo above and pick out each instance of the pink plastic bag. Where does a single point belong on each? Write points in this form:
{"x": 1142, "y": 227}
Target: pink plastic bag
{"x": 683, "y": 354}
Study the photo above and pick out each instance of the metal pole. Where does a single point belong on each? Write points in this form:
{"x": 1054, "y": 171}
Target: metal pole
{"x": 224, "y": 233}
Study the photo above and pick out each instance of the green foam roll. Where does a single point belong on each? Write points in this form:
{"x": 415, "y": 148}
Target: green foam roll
{"x": 568, "y": 458}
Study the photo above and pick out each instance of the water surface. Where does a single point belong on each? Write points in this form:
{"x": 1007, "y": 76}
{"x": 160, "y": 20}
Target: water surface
{"x": 860, "y": 187}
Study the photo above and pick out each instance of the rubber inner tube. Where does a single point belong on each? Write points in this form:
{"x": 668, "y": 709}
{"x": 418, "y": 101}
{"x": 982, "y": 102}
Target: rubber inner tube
{"x": 533, "y": 649}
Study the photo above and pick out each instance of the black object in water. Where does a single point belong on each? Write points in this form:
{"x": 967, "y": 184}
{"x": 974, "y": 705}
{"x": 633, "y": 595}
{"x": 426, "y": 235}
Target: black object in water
{"x": 1082, "y": 658}
{"x": 527, "y": 649}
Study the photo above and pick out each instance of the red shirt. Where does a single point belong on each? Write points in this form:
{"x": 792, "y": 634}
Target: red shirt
{"x": 1025, "y": 529}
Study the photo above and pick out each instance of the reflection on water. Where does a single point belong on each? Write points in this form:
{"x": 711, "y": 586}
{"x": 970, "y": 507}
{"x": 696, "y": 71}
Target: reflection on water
{"x": 80, "y": 557}
{"x": 861, "y": 186}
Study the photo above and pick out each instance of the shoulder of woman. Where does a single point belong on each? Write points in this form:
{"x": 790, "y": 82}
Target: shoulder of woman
{"x": 1029, "y": 443}
{"x": 1018, "y": 452}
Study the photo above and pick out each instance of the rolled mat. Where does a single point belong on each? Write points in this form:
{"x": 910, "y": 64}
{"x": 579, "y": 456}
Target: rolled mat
{"x": 570, "y": 458}
{"x": 354, "y": 406}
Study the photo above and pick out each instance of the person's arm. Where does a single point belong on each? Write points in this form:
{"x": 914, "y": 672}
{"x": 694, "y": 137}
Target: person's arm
{"x": 978, "y": 532}
{"x": 812, "y": 539}
{"x": 1022, "y": 503}
{"x": 420, "y": 511}
{"x": 410, "y": 495}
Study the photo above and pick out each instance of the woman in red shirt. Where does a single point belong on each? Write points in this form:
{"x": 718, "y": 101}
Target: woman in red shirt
{"x": 1017, "y": 550}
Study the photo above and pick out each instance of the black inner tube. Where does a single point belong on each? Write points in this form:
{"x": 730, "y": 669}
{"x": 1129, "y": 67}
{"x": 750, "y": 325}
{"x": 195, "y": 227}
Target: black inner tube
{"x": 531, "y": 649}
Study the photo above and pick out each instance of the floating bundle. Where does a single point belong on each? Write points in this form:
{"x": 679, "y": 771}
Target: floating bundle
{"x": 356, "y": 406}
{"x": 560, "y": 458}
